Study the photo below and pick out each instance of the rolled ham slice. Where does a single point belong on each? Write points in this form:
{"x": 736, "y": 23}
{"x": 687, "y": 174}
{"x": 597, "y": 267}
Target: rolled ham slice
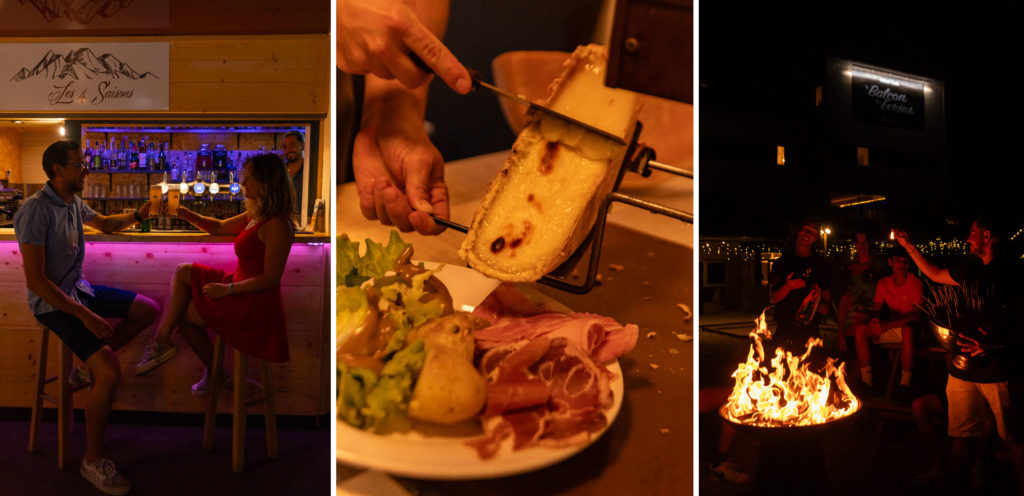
{"x": 541, "y": 392}
{"x": 602, "y": 338}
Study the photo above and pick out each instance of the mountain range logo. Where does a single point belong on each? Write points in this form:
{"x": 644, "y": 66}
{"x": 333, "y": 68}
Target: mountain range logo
{"x": 81, "y": 11}
{"x": 79, "y": 64}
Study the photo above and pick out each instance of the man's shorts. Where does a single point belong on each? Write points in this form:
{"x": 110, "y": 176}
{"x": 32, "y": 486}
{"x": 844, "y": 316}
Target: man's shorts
{"x": 109, "y": 303}
{"x": 893, "y": 335}
{"x": 970, "y": 404}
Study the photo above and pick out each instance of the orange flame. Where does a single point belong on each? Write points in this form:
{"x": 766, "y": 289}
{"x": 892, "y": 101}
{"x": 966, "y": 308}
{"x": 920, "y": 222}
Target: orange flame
{"x": 788, "y": 393}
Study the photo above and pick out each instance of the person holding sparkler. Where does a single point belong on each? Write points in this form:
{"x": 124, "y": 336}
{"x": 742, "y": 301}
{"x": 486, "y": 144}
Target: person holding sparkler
{"x": 982, "y": 373}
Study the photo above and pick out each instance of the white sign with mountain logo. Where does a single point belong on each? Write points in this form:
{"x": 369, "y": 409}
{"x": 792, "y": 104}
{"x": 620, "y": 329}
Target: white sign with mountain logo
{"x": 84, "y": 76}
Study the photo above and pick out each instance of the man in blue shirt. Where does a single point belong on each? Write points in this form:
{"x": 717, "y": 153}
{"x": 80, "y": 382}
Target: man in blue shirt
{"x": 52, "y": 241}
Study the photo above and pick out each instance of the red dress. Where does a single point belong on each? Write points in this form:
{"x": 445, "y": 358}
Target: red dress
{"x": 252, "y": 323}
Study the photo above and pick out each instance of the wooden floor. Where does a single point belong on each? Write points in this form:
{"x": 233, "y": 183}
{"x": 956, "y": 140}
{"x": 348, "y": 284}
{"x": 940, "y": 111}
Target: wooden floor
{"x": 162, "y": 454}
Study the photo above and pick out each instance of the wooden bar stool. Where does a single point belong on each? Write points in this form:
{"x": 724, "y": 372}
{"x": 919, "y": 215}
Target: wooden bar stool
{"x": 63, "y": 400}
{"x": 240, "y": 405}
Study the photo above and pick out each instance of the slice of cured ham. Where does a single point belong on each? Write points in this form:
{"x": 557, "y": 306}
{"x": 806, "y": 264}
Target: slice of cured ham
{"x": 602, "y": 338}
{"x": 541, "y": 392}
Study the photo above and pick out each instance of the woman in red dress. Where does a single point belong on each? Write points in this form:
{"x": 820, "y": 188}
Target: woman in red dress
{"x": 244, "y": 307}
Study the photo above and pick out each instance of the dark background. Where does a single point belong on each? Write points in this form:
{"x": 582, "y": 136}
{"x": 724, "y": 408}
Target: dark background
{"x": 761, "y": 63}
{"x": 477, "y": 32}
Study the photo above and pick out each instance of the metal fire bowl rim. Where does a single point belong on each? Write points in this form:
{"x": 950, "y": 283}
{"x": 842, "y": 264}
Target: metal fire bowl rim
{"x": 789, "y": 430}
{"x": 948, "y": 341}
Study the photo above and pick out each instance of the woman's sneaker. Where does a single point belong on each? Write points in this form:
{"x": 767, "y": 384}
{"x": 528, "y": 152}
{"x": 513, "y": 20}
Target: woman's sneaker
{"x": 202, "y": 388}
{"x": 104, "y": 476}
{"x": 154, "y": 356}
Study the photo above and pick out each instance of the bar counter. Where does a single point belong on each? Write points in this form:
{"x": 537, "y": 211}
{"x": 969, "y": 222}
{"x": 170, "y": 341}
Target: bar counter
{"x": 145, "y": 263}
{"x": 646, "y": 273}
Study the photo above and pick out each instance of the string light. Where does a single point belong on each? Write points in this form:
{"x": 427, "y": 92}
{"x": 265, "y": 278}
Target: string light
{"x": 749, "y": 250}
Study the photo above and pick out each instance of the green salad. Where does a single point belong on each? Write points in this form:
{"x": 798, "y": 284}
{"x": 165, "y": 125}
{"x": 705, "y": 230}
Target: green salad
{"x": 377, "y": 317}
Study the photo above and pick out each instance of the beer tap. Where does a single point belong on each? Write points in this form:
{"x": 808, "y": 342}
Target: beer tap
{"x": 234, "y": 187}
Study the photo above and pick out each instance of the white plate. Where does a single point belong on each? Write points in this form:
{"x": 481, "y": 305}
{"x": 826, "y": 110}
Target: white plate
{"x": 438, "y": 452}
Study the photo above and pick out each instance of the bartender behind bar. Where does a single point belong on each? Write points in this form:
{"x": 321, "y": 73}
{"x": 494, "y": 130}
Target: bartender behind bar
{"x": 50, "y": 235}
{"x": 293, "y": 145}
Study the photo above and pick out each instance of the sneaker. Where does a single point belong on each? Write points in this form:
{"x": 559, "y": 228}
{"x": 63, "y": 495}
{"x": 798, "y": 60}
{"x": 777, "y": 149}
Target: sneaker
{"x": 154, "y": 356}
{"x": 80, "y": 377}
{"x": 729, "y": 472}
{"x": 104, "y": 476}
{"x": 202, "y": 388}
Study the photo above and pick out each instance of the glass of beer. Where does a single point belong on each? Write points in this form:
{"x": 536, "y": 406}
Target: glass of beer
{"x": 155, "y": 195}
{"x": 173, "y": 198}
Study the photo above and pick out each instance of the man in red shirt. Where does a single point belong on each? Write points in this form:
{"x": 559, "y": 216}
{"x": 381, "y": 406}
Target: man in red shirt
{"x": 901, "y": 292}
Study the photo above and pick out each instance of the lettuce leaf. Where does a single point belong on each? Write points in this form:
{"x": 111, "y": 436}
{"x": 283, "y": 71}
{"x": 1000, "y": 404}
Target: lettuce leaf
{"x": 408, "y": 311}
{"x": 353, "y": 308}
{"x": 385, "y": 405}
{"x": 353, "y": 384}
{"x": 353, "y": 269}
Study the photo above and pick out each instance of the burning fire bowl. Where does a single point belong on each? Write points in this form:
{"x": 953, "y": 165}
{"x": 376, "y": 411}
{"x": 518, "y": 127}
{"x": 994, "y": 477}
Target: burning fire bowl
{"x": 790, "y": 456}
{"x": 786, "y": 432}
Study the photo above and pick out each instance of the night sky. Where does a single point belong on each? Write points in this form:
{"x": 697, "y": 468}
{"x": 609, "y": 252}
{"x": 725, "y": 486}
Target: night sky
{"x": 751, "y": 59}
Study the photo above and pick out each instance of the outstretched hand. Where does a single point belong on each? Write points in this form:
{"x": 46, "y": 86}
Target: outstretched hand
{"x": 143, "y": 211}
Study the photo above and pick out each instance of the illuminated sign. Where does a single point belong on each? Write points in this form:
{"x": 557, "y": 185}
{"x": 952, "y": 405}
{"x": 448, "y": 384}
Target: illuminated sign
{"x": 887, "y": 99}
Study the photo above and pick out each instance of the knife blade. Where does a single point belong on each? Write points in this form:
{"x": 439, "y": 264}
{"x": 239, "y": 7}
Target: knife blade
{"x": 478, "y": 82}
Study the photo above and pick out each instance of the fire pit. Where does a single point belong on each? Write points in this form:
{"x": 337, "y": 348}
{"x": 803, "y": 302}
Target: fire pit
{"x": 789, "y": 408}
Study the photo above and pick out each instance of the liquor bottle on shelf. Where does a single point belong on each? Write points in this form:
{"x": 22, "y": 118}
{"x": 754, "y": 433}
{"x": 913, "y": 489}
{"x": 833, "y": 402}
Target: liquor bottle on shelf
{"x": 87, "y": 155}
{"x": 204, "y": 158}
{"x": 110, "y": 161}
{"x": 175, "y": 173}
{"x": 162, "y": 156}
{"x": 143, "y": 158}
{"x": 97, "y": 158}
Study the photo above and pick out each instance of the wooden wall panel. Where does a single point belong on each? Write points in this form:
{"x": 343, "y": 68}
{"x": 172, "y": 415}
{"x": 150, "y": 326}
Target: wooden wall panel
{"x": 10, "y": 153}
{"x": 200, "y": 17}
{"x": 34, "y": 141}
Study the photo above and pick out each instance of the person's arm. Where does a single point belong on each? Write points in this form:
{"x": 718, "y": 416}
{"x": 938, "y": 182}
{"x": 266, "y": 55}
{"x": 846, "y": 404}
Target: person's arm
{"x": 930, "y": 270}
{"x": 376, "y": 37}
{"x": 210, "y": 225}
{"x": 34, "y": 261}
{"x": 779, "y": 293}
{"x": 117, "y": 222}
{"x": 278, "y": 236}
{"x": 399, "y": 173}
{"x": 903, "y": 318}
